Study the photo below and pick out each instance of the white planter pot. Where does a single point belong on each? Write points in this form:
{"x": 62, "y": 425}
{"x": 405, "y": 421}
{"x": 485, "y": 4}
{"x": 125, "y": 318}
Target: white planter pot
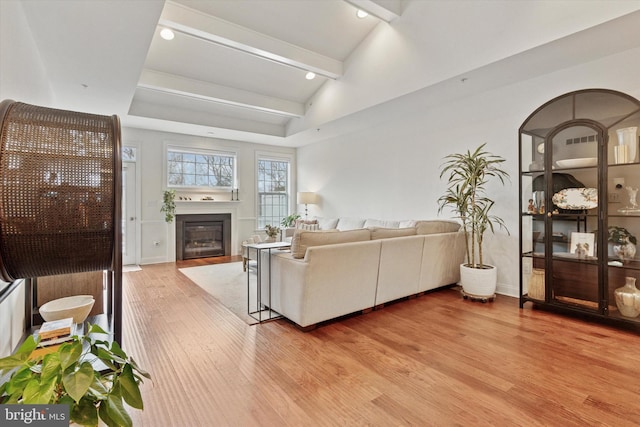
{"x": 480, "y": 282}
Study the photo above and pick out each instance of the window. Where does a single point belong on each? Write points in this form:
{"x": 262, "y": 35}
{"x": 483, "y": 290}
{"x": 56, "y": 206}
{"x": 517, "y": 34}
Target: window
{"x": 273, "y": 191}
{"x": 200, "y": 169}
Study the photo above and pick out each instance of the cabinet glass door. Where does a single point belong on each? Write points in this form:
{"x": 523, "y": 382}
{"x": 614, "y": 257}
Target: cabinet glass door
{"x": 623, "y": 220}
{"x": 532, "y": 215}
{"x": 572, "y": 220}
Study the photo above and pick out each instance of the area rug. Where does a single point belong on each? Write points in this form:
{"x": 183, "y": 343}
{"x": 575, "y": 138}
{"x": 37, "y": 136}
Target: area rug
{"x": 227, "y": 283}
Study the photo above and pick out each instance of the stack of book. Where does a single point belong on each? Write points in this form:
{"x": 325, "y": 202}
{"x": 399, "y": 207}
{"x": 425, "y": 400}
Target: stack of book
{"x": 56, "y": 331}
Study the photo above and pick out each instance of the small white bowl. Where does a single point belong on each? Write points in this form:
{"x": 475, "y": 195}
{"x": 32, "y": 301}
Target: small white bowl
{"x": 578, "y": 163}
{"x": 77, "y": 306}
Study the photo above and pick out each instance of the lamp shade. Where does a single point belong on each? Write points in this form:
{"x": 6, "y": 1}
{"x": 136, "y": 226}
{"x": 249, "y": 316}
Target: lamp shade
{"x": 307, "y": 198}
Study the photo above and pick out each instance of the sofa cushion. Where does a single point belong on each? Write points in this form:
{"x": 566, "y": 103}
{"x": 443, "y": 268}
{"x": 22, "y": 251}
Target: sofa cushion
{"x": 386, "y": 233}
{"x": 380, "y": 223}
{"x": 304, "y": 239}
{"x": 327, "y": 223}
{"x": 437, "y": 226}
{"x": 310, "y": 224}
{"x": 407, "y": 223}
{"x": 350, "y": 224}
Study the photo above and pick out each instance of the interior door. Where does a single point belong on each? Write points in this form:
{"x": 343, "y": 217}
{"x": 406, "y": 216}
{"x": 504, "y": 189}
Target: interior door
{"x": 129, "y": 219}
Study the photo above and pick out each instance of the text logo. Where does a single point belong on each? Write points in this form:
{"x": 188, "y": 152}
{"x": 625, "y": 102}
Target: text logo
{"x": 34, "y": 415}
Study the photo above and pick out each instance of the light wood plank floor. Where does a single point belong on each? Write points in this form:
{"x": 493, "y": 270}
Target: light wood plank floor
{"x": 436, "y": 360}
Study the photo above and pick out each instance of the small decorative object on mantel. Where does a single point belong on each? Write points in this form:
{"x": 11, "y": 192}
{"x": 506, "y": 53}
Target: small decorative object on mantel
{"x": 628, "y": 298}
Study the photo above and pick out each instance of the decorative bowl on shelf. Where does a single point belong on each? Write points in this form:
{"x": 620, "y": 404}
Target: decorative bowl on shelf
{"x": 77, "y": 306}
{"x": 576, "y": 198}
{"x": 577, "y": 163}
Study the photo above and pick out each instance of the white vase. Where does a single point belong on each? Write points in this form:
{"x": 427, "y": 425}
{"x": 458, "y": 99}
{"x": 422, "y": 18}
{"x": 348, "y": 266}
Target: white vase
{"x": 479, "y": 282}
{"x": 628, "y": 137}
{"x": 628, "y": 298}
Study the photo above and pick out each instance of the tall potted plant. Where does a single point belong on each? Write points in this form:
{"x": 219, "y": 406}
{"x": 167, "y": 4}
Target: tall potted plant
{"x": 467, "y": 176}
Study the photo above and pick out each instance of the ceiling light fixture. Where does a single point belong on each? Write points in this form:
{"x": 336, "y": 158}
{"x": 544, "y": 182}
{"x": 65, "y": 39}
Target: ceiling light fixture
{"x": 310, "y": 75}
{"x": 167, "y": 34}
{"x": 361, "y": 14}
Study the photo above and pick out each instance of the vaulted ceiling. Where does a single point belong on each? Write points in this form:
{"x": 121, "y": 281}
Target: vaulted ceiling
{"x": 236, "y": 68}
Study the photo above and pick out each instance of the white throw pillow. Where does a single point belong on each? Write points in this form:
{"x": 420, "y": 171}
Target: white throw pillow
{"x": 309, "y": 225}
{"x": 327, "y": 223}
{"x": 407, "y": 223}
{"x": 350, "y": 224}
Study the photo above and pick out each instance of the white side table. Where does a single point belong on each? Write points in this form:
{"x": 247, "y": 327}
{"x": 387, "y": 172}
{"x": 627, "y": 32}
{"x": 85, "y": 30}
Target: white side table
{"x": 262, "y": 315}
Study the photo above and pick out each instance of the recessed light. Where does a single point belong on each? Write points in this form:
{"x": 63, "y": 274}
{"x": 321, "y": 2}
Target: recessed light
{"x": 361, "y": 14}
{"x": 310, "y": 75}
{"x": 167, "y": 34}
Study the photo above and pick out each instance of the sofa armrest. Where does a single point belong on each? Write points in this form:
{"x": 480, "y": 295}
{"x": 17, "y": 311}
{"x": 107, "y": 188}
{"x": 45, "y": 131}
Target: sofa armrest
{"x": 441, "y": 258}
{"x": 329, "y": 282}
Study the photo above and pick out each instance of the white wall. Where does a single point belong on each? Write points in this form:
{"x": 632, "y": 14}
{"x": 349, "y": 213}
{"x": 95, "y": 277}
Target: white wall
{"x": 150, "y": 171}
{"x": 391, "y": 170}
{"x": 12, "y": 320}
{"x": 22, "y": 73}
{"x": 22, "y": 78}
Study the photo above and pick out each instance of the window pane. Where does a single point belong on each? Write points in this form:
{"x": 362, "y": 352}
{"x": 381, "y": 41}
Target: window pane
{"x": 200, "y": 170}
{"x": 273, "y": 192}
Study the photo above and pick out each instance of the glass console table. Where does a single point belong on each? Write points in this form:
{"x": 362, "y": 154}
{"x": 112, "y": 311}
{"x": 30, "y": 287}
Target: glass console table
{"x": 263, "y": 311}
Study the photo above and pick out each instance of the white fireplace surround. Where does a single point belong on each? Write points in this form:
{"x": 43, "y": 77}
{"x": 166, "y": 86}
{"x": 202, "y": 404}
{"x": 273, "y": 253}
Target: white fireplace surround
{"x": 184, "y": 207}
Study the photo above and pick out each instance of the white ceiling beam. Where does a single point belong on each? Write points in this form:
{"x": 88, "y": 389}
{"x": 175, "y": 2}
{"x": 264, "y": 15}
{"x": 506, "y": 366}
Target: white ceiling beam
{"x": 208, "y": 28}
{"x": 387, "y": 10}
{"x": 177, "y": 85}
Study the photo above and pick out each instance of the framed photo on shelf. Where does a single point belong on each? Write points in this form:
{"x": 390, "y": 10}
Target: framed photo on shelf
{"x": 582, "y": 244}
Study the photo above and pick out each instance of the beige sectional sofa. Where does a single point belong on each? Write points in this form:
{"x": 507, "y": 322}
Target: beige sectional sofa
{"x": 331, "y": 273}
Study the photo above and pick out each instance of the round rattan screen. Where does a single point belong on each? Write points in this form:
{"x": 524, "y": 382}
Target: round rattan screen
{"x": 58, "y": 181}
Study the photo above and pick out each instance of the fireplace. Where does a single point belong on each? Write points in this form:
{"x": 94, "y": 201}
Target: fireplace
{"x": 203, "y": 235}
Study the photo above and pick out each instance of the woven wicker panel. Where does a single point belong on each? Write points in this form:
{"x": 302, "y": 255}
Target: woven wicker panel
{"x": 57, "y": 192}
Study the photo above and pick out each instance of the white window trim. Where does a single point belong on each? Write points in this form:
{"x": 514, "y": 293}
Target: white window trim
{"x": 281, "y": 157}
{"x": 197, "y": 150}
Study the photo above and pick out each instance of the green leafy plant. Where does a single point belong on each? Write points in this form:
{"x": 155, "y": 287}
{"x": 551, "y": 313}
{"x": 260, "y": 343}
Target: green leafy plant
{"x": 272, "y": 231}
{"x": 168, "y": 205}
{"x": 468, "y": 173}
{"x": 69, "y": 376}
{"x": 290, "y": 220}
{"x": 620, "y": 235}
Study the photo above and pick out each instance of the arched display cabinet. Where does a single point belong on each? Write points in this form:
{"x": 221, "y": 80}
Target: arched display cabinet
{"x": 579, "y": 173}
